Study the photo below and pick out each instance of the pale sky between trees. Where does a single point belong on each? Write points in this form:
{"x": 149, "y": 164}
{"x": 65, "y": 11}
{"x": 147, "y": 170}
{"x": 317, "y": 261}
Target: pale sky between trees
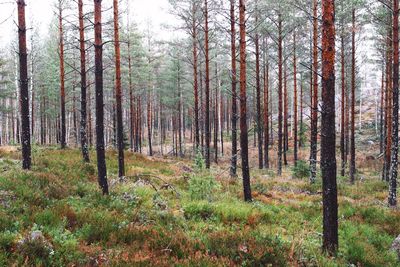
{"x": 154, "y": 11}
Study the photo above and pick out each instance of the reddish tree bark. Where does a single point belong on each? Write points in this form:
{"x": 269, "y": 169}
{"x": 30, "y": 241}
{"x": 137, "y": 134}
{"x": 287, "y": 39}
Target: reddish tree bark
{"x": 118, "y": 94}
{"x": 353, "y": 100}
{"x": 149, "y": 124}
{"x": 24, "y": 91}
{"x": 328, "y": 146}
{"x": 62, "y": 75}
{"x": 244, "y": 140}
{"x": 280, "y": 117}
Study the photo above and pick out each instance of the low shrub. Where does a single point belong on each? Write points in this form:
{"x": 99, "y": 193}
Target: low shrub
{"x": 301, "y": 169}
{"x": 201, "y": 186}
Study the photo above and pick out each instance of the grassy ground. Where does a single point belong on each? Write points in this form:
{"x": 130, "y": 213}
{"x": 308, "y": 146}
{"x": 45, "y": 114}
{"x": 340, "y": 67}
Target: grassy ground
{"x": 169, "y": 212}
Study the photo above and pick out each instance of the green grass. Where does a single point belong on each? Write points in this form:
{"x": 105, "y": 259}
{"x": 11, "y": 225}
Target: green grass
{"x": 203, "y": 222}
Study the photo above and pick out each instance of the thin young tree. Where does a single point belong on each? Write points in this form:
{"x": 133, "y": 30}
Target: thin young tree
{"x": 314, "y": 108}
{"x": 259, "y": 125}
{"x": 100, "y": 146}
{"x": 388, "y": 104}
{"x": 353, "y": 100}
{"x": 62, "y": 74}
{"x": 244, "y": 139}
{"x": 266, "y": 107}
{"x": 23, "y": 86}
{"x": 295, "y": 118}
{"x": 207, "y": 93}
{"x": 118, "y": 93}
{"x": 343, "y": 101}
{"x": 195, "y": 80}
{"x": 328, "y": 134}
{"x": 82, "y": 48}
{"x": 280, "y": 92}
{"x": 234, "y": 116}
{"x": 392, "y": 200}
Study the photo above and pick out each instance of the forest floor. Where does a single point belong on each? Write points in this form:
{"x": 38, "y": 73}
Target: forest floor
{"x": 170, "y": 212}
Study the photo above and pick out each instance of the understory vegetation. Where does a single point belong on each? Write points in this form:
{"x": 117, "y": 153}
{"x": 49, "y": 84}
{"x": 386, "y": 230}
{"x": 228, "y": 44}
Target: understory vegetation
{"x": 169, "y": 212}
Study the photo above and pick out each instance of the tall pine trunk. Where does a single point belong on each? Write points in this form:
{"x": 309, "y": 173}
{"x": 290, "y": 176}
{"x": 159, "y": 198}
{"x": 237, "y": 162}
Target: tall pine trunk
{"x": 328, "y": 146}
{"x": 23, "y": 84}
{"x": 395, "y": 123}
{"x": 295, "y": 142}
{"x": 62, "y": 75}
{"x": 342, "y": 105}
{"x": 280, "y": 62}
{"x": 118, "y": 94}
{"x": 84, "y": 141}
{"x": 195, "y": 80}
{"x": 353, "y": 102}
{"x": 266, "y": 108}
{"x": 285, "y": 115}
{"x": 100, "y": 147}
{"x": 244, "y": 139}
{"x": 234, "y": 116}
{"x": 207, "y": 100}
{"x": 314, "y": 109}
{"x": 258, "y": 95}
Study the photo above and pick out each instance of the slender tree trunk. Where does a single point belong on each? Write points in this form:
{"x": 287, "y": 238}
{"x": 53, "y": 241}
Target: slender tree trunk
{"x": 266, "y": 108}
{"x": 244, "y": 140}
{"x": 62, "y": 76}
{"x": 195, "y": 82}
{"x": 258, "y": 95}
{"x": 89, "y": 110}
{"x": 23, "y": 84}
{"x": 234, "y": 116}
{"x": 301, "y": 112}
{"x": 118, "y": 94}
{"x": 74, "y": 113}
{"x": 207, "y": 100}
{"x": 353, "y": 101}
{"x": 216, "y": 117}
{"x": 33, "y": 94}
{"x": 328, "y": 147}
{"x": 314, "y": 114}
{"x": 131, "y": 96}
{"x": 392, "y": 200}
{"x": 342, "y": 125}
{"x": 280, "y": 62}
{"x": 100, "y": 147}
{"x": 221, "y": 121}
{"x": 381, "y": 113}
{"x": 285, "y": 115}
{"x": 84, "y": 142}
{"x": 295, "y": 143}
{"x": 179, "y": 112}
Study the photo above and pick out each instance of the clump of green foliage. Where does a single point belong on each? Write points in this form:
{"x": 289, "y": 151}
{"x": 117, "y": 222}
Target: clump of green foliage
{"x": 301, "y": 169}
{"x": 201, "y": 182}
{"x": 201, "y": 186}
